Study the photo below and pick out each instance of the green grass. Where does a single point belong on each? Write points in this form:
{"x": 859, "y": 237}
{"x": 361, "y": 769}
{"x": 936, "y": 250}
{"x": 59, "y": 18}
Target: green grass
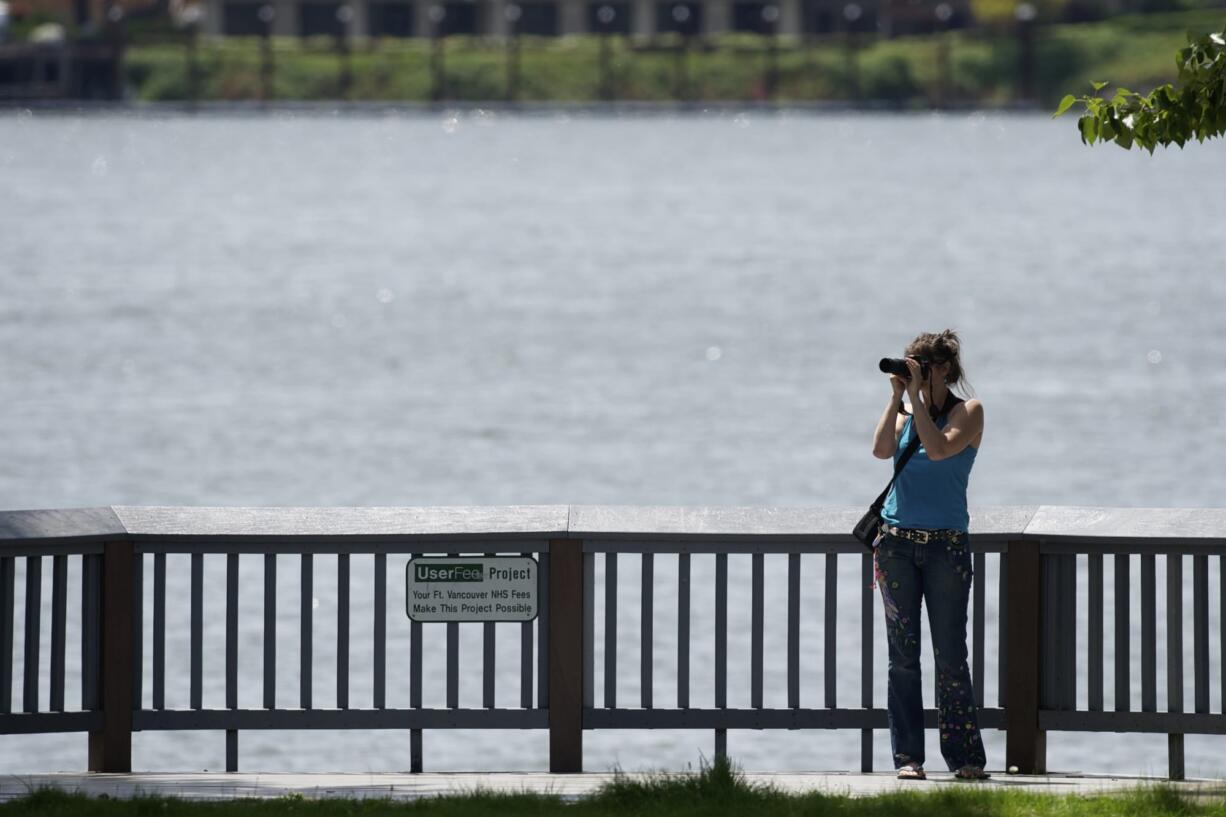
{"x": 1134, "y": 51}
{"x": 716, "y": 790}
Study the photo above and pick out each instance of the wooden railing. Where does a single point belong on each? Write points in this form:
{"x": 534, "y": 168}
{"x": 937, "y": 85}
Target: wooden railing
{"x": 1034, "y": 553}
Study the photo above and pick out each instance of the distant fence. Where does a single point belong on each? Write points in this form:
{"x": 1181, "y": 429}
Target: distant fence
{"x": 1040, "y": 556}
{"x": 79, "y": 70}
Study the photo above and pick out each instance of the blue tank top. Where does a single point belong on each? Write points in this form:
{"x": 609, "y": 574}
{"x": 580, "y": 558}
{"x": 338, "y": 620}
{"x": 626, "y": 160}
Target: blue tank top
{"x": 929, "y": 495}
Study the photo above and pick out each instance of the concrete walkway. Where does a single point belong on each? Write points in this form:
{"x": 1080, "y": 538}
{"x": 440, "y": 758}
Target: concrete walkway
{"x": 404, "y": 786}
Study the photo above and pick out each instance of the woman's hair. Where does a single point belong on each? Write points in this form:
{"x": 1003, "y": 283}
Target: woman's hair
{"x": 942, "y": 347}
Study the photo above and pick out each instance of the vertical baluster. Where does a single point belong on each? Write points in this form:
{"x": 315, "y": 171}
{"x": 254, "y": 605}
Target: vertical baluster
{"x": 1149, "y": 634}
{"x": 487, "y": 663}
{"x": 415, "y": 736}
{"x": 721, "y": 630}
{"x": 978, "y": 613}
{"x": 866, "y": 657}
{"x": 1068, "y": 613}
{"x": 525, "y": 664}
{"x": 683, "y": 631}
{"x": 342, "y": 631}
{"x": 59, "y": 628}
{"x": 453, "y": 660}
{"x": 610, "y": 630}
{"x": 1002, "y": 642}
{"x": 8, "y": 599}
{"x": 1122, "y": 609}
{"x": 542, "y": 637}
{"x": 721, "y": 648}
{"x": 793, "y": 630}
{"x": 646, "y": 638}
{"x": 525, "y": 657}
{"x": 1221, "y": 566}
{"x": 305, "y": 637}
{"x": 159, "y": 631}
{"x": 197, "y": 631}
{"x": 91, "y": 631}
{"x": 1095, "y": 639}
{"x": 270, "y": 631}
{"x": 757, "y": 625}
{"x": 831, "y": 621}
{"x": 1174, "y": 631}
{"x": 138, "y": 629}
{"x": 231, "y": 656}
{"x": 488, "y": 666}
{"x": 380, "y": 632}
{"x": 34, "y": 605}
{"x": 1174, "y": 657}
{"x": 232, "y": 631}
{"x": 1200, "y": 630}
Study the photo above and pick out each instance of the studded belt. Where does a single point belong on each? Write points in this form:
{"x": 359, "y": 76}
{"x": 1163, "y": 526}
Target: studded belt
{"x": 924, "y": 536}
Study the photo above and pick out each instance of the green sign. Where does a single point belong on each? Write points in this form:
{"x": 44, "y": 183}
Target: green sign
{"x": 478, "y": 588}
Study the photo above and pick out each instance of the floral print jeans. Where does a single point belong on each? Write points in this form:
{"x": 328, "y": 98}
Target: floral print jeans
{"x": 939, "y": 573}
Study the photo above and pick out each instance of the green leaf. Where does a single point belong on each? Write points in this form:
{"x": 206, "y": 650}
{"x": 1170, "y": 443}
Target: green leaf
{"x": 1086, "y": 125}
{"x": 1064, "y": 105}
{"x": 1098, "y": 86}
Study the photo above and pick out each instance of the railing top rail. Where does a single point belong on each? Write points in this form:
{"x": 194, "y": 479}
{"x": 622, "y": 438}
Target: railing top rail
{"x": 59, "y": 526}
{"x": 1192, "y": 526}
{"x": 89, "y": 527}
{"x": 373, "y": 524}
{"x": 304, "y": 525}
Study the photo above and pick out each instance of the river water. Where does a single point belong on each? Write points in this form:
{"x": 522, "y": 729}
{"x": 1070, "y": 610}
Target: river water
{"x": 482, "y": 308}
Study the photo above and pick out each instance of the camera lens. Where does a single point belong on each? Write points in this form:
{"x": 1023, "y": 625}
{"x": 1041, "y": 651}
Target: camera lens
{"x": 895, "y": 366}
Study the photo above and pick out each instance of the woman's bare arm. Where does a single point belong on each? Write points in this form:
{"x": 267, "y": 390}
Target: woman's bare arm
{"x": 964, "y": 427}
{"x": 885, "y": 443}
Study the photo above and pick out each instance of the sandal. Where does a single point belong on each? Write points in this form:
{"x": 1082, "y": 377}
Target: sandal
{"x": 911, "y": 771}
{"x": 971, "y": 773}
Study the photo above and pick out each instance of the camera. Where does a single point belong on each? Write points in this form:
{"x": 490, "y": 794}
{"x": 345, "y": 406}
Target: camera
{"x": 898, "y": 366}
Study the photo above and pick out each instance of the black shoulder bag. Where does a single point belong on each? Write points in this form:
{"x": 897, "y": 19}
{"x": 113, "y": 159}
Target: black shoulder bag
{"x": 869, "y": 526}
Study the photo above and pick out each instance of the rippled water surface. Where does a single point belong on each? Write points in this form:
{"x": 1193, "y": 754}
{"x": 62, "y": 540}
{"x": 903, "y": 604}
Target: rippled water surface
{"x": 487, "y": 309}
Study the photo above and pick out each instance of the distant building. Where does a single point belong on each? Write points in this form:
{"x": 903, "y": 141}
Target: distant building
{"x": 423, "y": 18}
{"x": 68, "y": 50}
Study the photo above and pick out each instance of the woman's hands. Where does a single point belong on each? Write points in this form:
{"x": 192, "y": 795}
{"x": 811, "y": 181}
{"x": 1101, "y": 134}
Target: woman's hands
{"x": 913, "y": 384}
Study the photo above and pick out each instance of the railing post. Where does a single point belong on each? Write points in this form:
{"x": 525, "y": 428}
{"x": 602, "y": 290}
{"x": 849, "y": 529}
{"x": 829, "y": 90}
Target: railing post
{"x": 111, "y": 749}
{"x": 566, "y": 655}
{"x": 1025, "y": 743}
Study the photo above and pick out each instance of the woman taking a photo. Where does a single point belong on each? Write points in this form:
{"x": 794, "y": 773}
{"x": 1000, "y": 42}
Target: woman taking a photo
{"x": 923, "y": 553}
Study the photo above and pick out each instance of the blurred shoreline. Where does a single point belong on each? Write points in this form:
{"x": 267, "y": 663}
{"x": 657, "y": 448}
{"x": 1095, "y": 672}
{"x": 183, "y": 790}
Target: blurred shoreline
{"x": 364, "y": 108}
{"x": 1024, "y": 65}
